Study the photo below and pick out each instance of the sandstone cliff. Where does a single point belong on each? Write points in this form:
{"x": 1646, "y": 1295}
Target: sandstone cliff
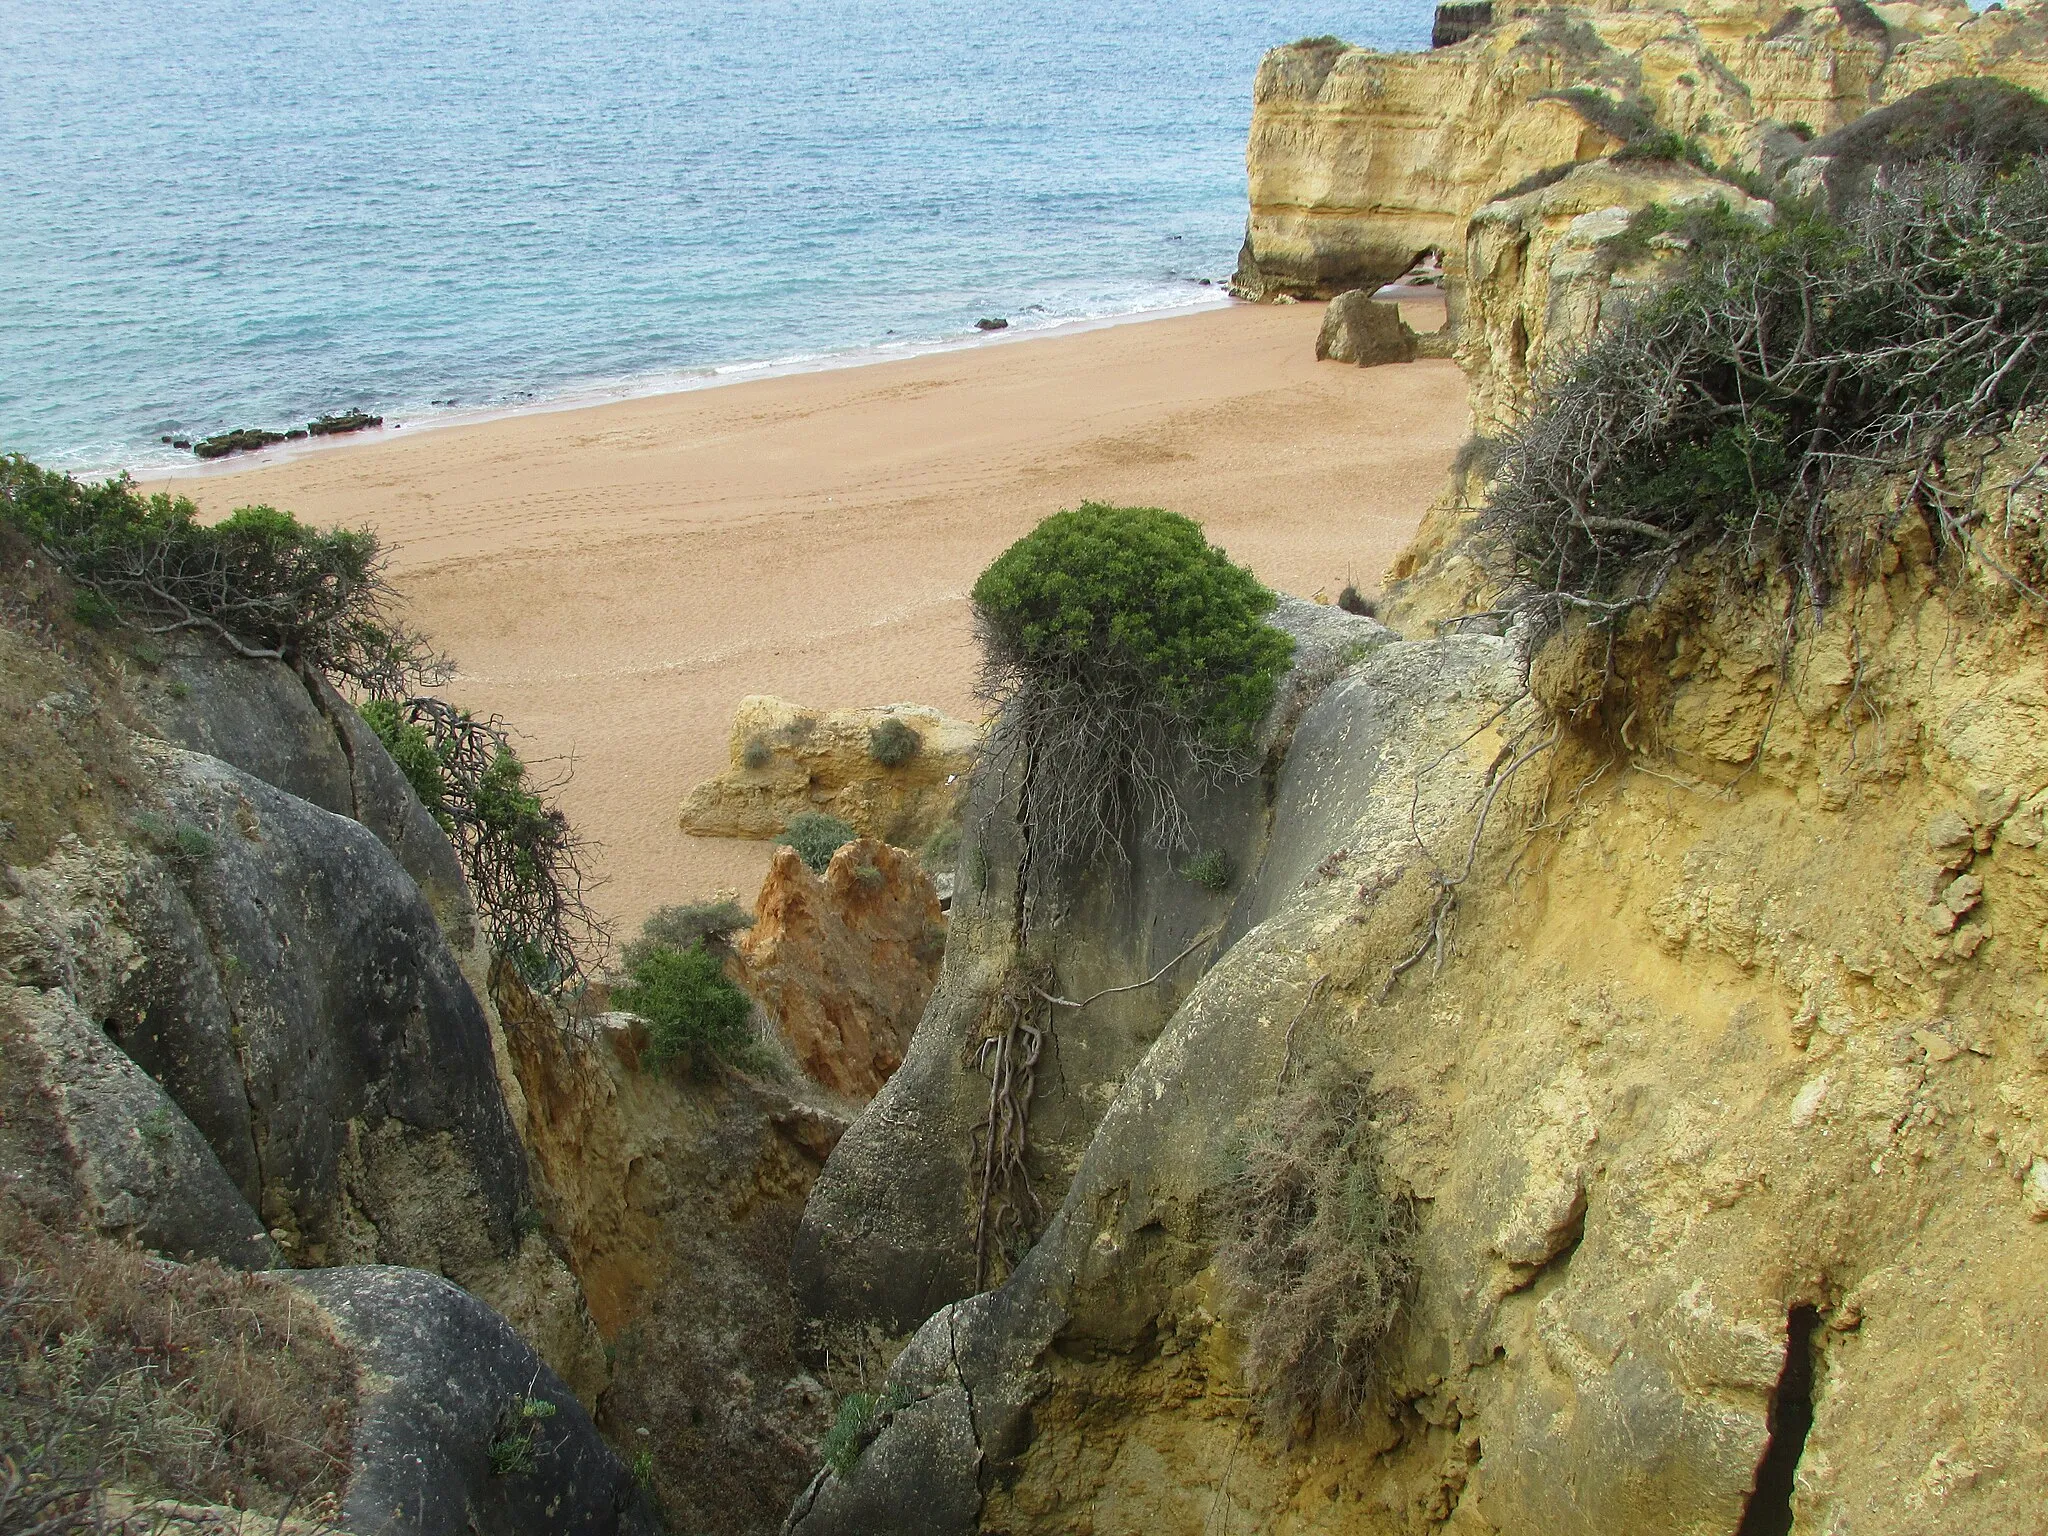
{"x": 1360, "y": 162}
{"x": 1723, "y": 1115}
{"x": 845, "y": 962}
{"x": 786, "y": 759}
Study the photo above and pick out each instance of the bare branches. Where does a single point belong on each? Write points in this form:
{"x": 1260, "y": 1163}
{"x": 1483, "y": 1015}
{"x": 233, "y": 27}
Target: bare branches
{"x": 1784, "y": 366}
{"x": 526, "y": 865}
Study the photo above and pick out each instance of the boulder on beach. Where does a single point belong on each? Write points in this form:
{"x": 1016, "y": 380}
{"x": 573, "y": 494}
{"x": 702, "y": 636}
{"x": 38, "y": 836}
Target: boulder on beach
{"x": 1358, "y": 329}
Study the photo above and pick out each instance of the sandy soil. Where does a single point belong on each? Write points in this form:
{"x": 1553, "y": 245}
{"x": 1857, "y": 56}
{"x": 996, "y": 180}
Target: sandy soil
{"x": 613, "y": 579}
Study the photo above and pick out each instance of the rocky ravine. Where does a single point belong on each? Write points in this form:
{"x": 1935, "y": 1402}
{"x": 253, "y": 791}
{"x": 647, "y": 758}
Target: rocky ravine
{"x": 245, "y": 1017}
{"x": 1735, "y": 1074}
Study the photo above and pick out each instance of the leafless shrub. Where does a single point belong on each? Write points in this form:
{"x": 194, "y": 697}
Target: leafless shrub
{"x": 527, "y": 867}
{"x": 1726, "y": 413}
{"x": 1318, "y": 1245}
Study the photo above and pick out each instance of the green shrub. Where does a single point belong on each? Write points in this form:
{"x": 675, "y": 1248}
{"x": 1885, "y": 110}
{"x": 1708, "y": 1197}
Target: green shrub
{"x": 692, "y": 1010}
{"x": 815, "y": 837}
{"x": 411, "y": 751}
{"x": 523, "y": 860}
{"x": 685, "y": 927}
{"x": 259, "y": 580}
{"x": 1211, "y": 870}
{"x": 1784, "y": 364}
{"x": 893, "y": 743}
{"x": 757, "y": 755}
{"x": 1317, "y": 1244}
{"x": 1128, "y": 658}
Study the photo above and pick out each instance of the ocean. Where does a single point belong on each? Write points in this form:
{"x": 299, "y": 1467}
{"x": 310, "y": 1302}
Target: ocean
{"x": 220, "y": 215}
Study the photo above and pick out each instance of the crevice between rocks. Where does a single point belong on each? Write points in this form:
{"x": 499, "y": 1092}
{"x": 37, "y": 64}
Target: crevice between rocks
{"x": 1769, "y": 1510}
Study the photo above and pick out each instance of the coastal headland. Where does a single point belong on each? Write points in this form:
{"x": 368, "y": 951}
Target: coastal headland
{"x": 614, "y": 579}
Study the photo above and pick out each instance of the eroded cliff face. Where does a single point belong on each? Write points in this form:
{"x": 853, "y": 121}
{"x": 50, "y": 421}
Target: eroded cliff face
{"x": 676, "y": 1200}
{"x": 844, "y": 962}
{"x": 1360, "y": 162}
{"x": 1725, "y": 1112}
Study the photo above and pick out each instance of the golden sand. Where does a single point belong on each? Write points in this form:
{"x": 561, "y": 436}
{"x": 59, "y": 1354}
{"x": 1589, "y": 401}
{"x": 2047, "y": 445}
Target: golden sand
{"x": 612, "y": 579}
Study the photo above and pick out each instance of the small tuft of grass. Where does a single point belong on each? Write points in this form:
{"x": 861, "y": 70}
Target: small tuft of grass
{"x": 512, "y": 1447}
{"x": 1211, "y": 871}
{"x": 757, "y": 754}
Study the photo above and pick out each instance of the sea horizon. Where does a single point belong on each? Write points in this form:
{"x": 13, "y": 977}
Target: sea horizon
{"x": 459, "y": 214}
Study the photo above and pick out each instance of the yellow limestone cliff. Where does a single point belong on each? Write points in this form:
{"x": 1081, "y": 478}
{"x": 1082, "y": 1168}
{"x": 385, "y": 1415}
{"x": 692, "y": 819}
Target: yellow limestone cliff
{"x": 1360, "y": 162}
{"x": 1724, "y": 1105}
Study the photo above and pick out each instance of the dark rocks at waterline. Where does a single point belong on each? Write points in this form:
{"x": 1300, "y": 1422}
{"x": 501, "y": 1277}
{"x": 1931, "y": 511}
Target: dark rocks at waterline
{"x": 241, "y": 440}
{"x": 992, "y": 323}
{"x": 176, "y": 442}
{"x": 1455, "y": 22}
{"x": 250, "y": 439}
{"x": 343, "y": 421}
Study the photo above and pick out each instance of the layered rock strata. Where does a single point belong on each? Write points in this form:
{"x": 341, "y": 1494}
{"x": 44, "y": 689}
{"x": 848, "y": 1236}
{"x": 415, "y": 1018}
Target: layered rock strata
{"x": 1360, "y": 162}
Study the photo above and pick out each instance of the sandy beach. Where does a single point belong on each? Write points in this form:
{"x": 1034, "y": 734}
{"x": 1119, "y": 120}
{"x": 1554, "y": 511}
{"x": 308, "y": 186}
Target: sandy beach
{"x": 613, "y": 579}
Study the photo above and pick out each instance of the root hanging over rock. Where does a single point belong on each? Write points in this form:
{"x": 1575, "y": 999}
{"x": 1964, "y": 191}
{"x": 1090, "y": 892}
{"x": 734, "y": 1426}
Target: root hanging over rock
{"x": 1007, "y": 1210}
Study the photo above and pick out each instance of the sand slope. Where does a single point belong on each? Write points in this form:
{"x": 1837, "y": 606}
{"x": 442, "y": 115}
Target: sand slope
{"x": 613, "y": 579}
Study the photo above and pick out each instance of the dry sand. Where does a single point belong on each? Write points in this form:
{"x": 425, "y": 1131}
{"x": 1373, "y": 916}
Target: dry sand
{"x": 614, "y": 579}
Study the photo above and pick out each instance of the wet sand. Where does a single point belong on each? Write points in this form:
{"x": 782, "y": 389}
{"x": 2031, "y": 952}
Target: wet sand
{"x": 613, "y": 579}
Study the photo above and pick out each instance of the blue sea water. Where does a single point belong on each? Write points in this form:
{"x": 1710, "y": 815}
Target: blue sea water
{"x": 218, "y": 214}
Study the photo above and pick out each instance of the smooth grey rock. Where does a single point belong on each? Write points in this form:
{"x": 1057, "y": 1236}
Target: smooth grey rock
{"x": 377, "y": 1123}
{"x": 144, "y": 1170}
{"x": 1131, "y": 1226}
{"x": 1359, "y": 329}
{"x": 887, "y": 1236}
{"x": 291, "y": 729}
{"x": 444, "y": 1376}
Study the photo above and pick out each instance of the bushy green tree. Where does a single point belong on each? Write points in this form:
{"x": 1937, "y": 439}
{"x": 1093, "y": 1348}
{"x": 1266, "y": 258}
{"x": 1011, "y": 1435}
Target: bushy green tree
{"x": 1128, "y": 659}
{"x": 260, "y": 580}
